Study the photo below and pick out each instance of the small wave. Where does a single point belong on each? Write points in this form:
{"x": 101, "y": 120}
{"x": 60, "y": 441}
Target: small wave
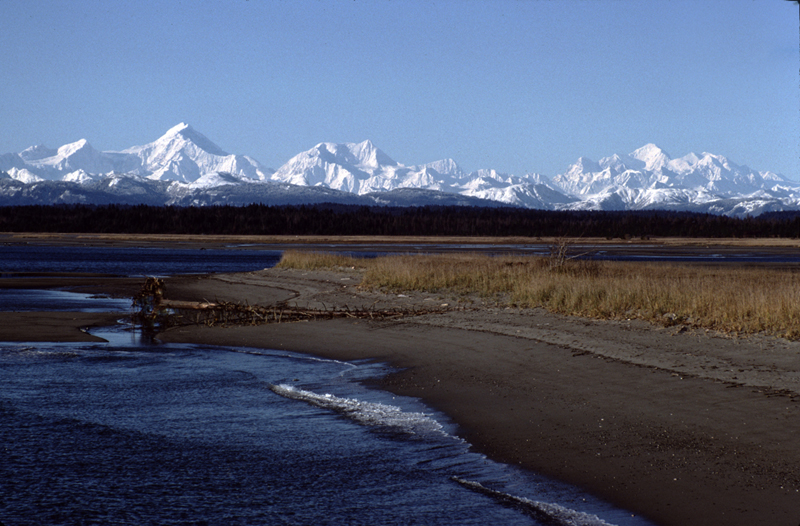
{"x": 368, "y": 413}
{"x": 544, "y": 512}
{"x": 33, "y": 352}
{"x": 262, "y": 352}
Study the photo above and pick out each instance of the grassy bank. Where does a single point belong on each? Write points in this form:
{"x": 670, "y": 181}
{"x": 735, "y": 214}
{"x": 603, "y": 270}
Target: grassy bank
{"x": 732, "y": 299}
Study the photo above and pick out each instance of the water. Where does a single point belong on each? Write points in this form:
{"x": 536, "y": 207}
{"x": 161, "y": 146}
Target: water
{"x": 121, "y": 261}
{"x": 124, "y": 433}
{"x": 151, "y": 261}
{"x": 31, "y": 300}
{"x": 127, "y": 432}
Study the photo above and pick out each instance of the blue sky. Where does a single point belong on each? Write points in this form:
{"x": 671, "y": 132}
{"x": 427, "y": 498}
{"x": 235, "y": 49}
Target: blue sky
{"x": 515, "y": 85}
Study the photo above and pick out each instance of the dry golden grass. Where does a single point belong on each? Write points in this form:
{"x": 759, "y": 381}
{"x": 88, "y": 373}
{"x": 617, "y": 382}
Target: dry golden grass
{"x": 732, "y": 299}
{"x": 318, "y": 260}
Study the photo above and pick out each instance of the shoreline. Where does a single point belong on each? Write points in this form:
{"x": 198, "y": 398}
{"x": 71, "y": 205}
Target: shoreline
{"x": 680, "y": 427}
{"x": 683, "y": 427}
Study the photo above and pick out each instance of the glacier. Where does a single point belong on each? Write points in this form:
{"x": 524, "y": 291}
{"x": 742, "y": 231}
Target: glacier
{"x": 183, "y": 167}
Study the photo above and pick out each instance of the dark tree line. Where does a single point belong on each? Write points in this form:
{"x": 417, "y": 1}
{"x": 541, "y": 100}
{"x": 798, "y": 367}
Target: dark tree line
{"x": 388, "y": 221}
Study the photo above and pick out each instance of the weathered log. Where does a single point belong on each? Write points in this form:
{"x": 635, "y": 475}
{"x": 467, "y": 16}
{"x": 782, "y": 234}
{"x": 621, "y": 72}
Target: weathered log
{"x": 155, "y": 310}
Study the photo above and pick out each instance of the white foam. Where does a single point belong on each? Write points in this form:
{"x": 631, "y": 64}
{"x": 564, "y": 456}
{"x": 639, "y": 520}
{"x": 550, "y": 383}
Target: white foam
{"x": 543, "y": 511}
{"x": 368, "y": 413}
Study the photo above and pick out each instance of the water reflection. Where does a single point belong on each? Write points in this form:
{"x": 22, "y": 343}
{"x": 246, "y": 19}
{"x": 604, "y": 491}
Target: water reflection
{"x": 32, "y": 300}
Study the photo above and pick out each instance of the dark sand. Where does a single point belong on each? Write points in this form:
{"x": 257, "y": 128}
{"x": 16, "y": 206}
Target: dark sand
{"x": 683, "y": 427}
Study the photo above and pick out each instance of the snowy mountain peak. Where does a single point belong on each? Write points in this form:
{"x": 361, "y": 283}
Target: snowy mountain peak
{"x": 648, "y": 150}
{"x": 615, "y": 163}
{"x": 583, "y": 165}
{"x": 352, "y": 167}
{"x": 72, "y": 148}
{"x": 363, "y": 154}
{"x": 652, "y": 156}
{"x": 445, "y": 166}
{"x": 185, "y": 132}
{"x": 691, "y": 158}
{"x": 370, "y": 155}
{"x": 35, "y": 153}
{"x": 177, "y": 129}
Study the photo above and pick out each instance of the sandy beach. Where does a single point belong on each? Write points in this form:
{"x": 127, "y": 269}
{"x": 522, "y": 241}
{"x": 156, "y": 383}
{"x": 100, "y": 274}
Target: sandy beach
{"x": 681, "y": 426}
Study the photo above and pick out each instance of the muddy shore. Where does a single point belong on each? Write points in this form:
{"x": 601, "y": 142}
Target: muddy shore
{"x": 681, "y": 426}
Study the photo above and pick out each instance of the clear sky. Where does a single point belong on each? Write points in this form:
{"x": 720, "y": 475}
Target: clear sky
{"x": 515, "y": 85}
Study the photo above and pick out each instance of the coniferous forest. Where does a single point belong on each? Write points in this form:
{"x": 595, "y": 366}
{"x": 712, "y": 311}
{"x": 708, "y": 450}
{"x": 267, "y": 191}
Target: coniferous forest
{"x": 388, "y": 221}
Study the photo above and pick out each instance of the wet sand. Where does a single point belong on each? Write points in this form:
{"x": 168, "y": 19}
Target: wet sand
{"x": 683, "y": 427}
{"x": 61, "y": 326}
{"x": 52, "y": 326}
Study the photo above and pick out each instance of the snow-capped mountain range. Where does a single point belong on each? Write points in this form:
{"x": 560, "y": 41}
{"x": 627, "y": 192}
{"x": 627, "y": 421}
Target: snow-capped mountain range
{"x": 182, "y": 154}
{"x": 184, "y": 167}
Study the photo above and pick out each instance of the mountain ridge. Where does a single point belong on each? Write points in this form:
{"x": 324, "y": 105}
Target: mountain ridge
{"x": 189, "y": 163}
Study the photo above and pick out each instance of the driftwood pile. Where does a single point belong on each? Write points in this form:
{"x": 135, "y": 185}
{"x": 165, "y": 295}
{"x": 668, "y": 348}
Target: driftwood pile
{"x": 152, "y": 309}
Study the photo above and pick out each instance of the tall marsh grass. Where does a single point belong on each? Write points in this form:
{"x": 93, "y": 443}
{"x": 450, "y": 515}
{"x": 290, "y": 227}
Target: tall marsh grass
{"x": 731, "y": 299}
